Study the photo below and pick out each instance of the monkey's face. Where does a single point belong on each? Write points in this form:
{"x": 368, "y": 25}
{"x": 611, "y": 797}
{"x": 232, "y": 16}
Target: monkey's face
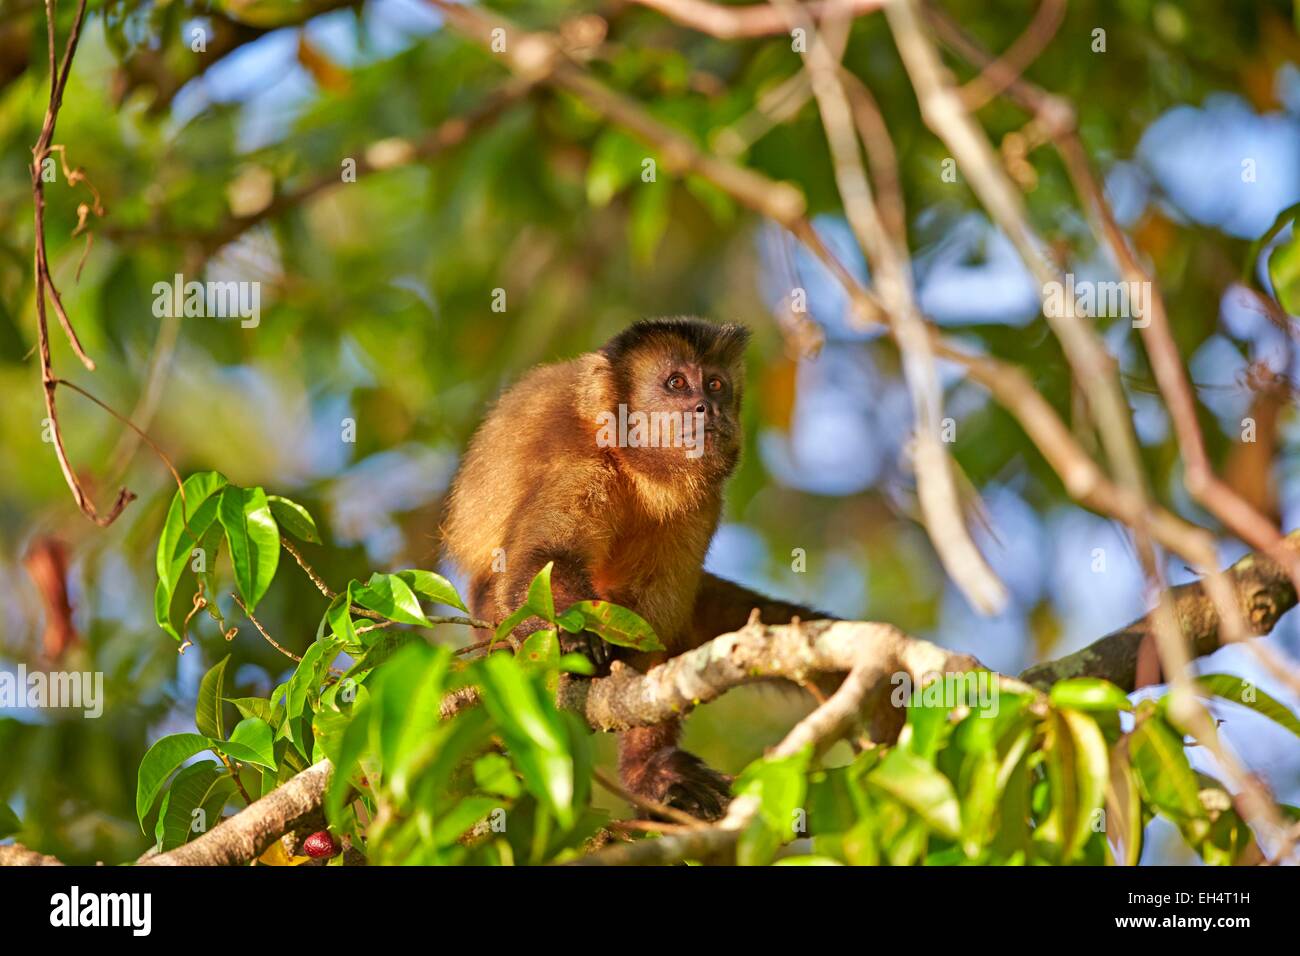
{"x": 675, "y": 392}
{"x": 682, "y": 412}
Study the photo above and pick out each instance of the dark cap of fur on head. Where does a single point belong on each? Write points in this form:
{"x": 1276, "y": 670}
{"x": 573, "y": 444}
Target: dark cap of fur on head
{"x": 708, "y": 341}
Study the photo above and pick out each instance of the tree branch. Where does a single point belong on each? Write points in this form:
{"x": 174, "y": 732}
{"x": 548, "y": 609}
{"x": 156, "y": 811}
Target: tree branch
{"x": 1260, "y": 587}
{"x": 754, "y": 20}
{"x": 248, "y": 834}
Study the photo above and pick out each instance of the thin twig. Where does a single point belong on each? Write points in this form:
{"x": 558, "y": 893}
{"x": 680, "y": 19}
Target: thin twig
{"x": 1026, "y": 48}
{"x": 680, "y": 817}
{"x": 886, "y": 251}
{"x": 261, "y": 630}
{"x": 330, "y": 593}
{"x": 753, "y": 20}
{"x": 44, "y": 282}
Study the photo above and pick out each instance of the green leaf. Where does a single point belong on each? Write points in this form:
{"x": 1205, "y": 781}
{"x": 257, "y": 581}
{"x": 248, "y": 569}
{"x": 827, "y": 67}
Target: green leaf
{"x": 576, "y": 664}
{"x": 538, "y": 603}
{"x": 1090, "y": 774}
{"x": 1088, "y": 693}
{"x": 1284, "y": 272}
{"x": 534, "y": 733}
{"x": 617, "y": 625}
{"x": 1124, "y": 806}
{"x": 294, "y": 518}
{"x": 494, "y": 774}
{"x": 986, "y": 774}
{"x": 254, "y": 540}
{"x": 540, "y": 654}
{"x": 188, "y": 518}
{"x": 202, "y": 786}
{"x": 347, "y": 761}
{"x": 780, "y": 785}
{"x": 393, "y": 598}
{"x": 309, "y": 673}
{"x": 207, "y": 713}
{"x": 159, "y": 762}
{"x": 453, "y": 824}
{"x": 339, "y": 617}
{"x": 433, "y": 587}
{"x": 1228, "y": 837}
{"x": 649, "y": 218}
{"x": 506, "y": 627}
{"x": 920, "y": 787}
{"x": 180, "y": 526}
{"x": 1163, "y": 772}
{"x": 1238, "y": 691}
{"x": 615, "y": 161}
{"x": 540, "y": 600}
{"x": 258, "y": 707}
{"x": 251, "y": 742}
{"x": 9, "y": 822}
{"x": 927, "y": 727}
{"x": 407, "y": 708}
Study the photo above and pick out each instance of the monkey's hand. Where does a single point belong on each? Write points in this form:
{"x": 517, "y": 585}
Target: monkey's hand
{"x": 590, "y": 646}
{"x": 685, "y": 782}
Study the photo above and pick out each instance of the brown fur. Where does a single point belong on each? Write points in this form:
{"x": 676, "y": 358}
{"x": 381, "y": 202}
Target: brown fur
{"x": 624, "y": 524}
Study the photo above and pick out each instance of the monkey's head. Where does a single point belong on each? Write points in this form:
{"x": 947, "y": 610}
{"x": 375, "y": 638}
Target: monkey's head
{"x": 679, "y": 382}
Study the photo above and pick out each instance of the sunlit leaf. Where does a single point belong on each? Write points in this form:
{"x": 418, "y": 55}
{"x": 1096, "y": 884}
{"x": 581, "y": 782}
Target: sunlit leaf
{"x": 253, "y": 538}
{"x": 392, "y": 597}
{"x": 188, "y": 518}
{"x": 1164, "y": 775}
{"x": 1243, "y": 692}
{"x": 207, "y": 712}
{"x": 294, "y": 518}
{"x": 618, "y": 625}
{"x": 251, "y": 741}
{"x": 1284, "y": 273}
{"x": 919, "y": 786}
{"x": 159, "y": 762}
{"x": 203, "y": 786}
{"x": 1088, "y": 693}
{"x": 432, "y": 587}
{"x": 533, "y": 732}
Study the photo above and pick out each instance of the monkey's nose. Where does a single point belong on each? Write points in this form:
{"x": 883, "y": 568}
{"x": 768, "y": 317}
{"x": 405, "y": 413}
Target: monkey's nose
{"x": 701, "y": 408}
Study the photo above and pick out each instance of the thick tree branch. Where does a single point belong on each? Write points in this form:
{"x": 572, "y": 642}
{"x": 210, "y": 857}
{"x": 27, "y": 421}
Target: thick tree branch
{"x": 1260, "y": 587}
{"x": 248, "y": 834}
{"x": 757, "y": 652}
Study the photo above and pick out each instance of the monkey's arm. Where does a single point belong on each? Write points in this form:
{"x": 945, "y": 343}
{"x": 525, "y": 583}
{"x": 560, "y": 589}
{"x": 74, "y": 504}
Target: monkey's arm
{"x": 722, "y": 606}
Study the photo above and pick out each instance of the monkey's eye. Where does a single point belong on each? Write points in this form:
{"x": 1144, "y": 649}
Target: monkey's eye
{"x": 677, "y": 381}
{"x": 715, "y": 384}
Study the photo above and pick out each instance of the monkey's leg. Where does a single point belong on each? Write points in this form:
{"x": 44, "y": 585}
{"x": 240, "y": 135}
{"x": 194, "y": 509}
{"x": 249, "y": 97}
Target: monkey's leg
{"x": 570, "y": 583}
{"x": 652, "y": 765}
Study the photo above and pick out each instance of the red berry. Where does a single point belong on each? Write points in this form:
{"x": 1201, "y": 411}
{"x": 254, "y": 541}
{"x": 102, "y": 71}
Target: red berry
{"x": 320, "y": 844}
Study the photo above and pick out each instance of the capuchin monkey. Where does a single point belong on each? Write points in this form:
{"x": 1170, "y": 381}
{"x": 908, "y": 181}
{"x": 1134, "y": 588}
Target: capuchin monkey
{"x": 611, "y": 467}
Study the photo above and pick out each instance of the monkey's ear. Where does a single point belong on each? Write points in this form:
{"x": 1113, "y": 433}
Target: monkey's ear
{"x": 595, "y": 388}
{"x": 731, "y": 341}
